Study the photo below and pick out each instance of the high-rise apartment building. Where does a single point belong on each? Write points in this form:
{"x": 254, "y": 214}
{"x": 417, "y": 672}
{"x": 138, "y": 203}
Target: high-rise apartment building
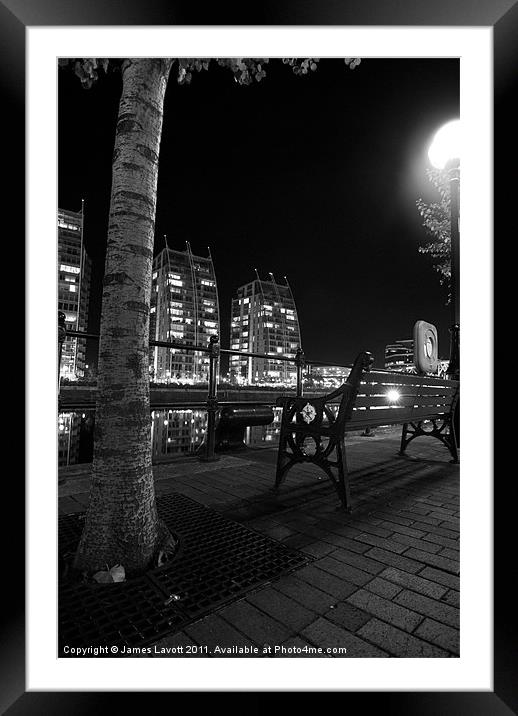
{"x": 74, "y": 275}
{"x": 184, "y": 308}
{"x": 400, "y": 356}
{"x": 264, "y": 320}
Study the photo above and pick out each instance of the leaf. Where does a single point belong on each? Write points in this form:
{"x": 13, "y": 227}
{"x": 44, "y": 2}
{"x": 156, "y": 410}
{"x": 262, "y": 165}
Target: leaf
{"x": 118, "y": 573}
{"x": 103, "y": 577}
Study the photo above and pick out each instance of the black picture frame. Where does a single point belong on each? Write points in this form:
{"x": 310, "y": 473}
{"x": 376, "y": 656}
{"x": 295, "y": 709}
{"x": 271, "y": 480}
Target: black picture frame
{"x": 15, "y": 17}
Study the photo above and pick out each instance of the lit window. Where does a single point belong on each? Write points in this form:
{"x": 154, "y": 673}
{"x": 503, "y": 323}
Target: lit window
{"x": 72, "y": 288}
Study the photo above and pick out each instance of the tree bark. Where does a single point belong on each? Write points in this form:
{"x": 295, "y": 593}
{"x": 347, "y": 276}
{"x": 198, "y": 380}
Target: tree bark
{"x": 121, "y": 525}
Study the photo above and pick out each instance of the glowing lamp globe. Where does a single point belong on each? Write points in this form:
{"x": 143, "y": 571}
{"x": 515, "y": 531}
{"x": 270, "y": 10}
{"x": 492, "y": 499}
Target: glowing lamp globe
{"x": 445, "y": 144}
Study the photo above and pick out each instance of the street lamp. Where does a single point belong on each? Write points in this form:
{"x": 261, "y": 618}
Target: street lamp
{"x": 444, "y": 154}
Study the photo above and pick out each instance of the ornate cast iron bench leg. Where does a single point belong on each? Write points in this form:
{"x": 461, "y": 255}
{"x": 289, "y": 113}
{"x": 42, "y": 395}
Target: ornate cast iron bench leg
{"x": 283, "y": 462}
{"x": 445, "y": 433}
{"x": 404, "y": 441}
{"x": 343, "y": 476}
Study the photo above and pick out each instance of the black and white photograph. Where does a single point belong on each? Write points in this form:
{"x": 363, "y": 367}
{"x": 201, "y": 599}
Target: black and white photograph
{"x": 270, "y": 289}
{"x": 258, "y": 433}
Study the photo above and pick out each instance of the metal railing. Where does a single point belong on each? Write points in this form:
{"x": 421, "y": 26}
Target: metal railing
{"x": 214, "y": 351}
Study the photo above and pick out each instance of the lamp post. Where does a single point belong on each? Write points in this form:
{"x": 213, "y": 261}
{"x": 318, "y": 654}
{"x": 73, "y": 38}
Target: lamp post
{"x": 444, "y": 154}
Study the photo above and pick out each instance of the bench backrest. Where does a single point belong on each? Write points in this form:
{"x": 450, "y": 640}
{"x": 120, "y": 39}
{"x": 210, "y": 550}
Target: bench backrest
{"x": 372, "y": 398}
{"x": 386, "y": 397}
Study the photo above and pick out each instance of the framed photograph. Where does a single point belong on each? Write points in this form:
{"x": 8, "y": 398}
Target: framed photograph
{"x": 472, "y": 56}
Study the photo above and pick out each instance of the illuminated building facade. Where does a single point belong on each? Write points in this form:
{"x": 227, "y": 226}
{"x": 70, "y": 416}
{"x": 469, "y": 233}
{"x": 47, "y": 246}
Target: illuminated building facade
{"x": 264, "y": 320}
{"x": 400, "y": 356}
{"x": 74, "y": 275}
{"x": 328, "y": 376}
{"x": 184, "y": 308}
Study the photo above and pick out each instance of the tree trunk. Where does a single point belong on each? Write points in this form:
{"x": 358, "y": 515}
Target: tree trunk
{"x": 121, "y": 525}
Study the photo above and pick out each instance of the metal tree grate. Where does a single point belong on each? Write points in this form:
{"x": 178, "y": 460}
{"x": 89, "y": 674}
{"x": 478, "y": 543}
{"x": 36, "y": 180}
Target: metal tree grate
{"x": 218, "y": 562}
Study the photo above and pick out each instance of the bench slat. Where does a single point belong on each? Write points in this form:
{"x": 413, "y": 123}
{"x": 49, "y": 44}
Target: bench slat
{"x": 408, "y": 401}
{"x": 391, "y": 378}
{"x": 396, "y": 415}
{"x": 439, "y": 390}
{"x": 381, "y": 389}
{"x": 368, "y": 401}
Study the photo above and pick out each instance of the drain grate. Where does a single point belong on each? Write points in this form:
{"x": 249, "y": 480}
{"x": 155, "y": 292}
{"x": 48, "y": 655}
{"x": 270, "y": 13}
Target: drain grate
{"x": 219, "y": 561}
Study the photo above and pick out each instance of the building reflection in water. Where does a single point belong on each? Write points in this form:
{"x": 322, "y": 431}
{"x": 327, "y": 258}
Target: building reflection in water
{"x": 173, "y": 432}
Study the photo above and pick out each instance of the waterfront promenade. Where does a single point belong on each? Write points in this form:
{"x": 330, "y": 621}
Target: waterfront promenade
{"x": 383, "y": 581}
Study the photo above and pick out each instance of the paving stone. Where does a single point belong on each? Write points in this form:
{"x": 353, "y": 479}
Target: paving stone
{"x": 383, "y": 588}
{"x": 414, "y": 582}
{"x": 394, "y": 560}
{"x": 429, "y": 501}
{"x": 388, "y": 544}
{"x": 441, "y": 531}
{"x": 452, "y": 522}
{"x": 417, "y": 543}
{"x": 343, "y": 542}
{"x": 437, "y": 575}
{"x": 304, "y": 593}
{"x": 360, "y": 561}
{"x": 343, "y": 570}
{"x": 326, "y": 582}
{"x": 347, "y": 616}
{"x": 255, "y": 624}
{"x": 386, "y": 610}
{"x": 443, "y": 613}
{"x": 404, "y": 530}
{"x": 448, "y": 511}
{"x": 410, "y": 505}
{"x": 452, "y": 597}
{"x": 391, "y": 518}
{"x": 279, "y": 532}
{"x": 282, "y": 608}
{"x": 397, "y": 642}
{"x": 337, "y": 541}
{"x": 328, "y": 635}
{"x": 434, "y": 560}
{"x": 318, "y": 549}
{"x": 424, "y": 519}
{"x": 444, "y": 541}
{"x": 439, "y": 634}
{"x": 369, "y": 528}
{"x": 212, "y": 631}
{"x": 450, "y": 553}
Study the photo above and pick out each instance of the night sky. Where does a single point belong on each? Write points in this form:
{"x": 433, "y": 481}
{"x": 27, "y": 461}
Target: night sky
{"x": 313, "y": 177}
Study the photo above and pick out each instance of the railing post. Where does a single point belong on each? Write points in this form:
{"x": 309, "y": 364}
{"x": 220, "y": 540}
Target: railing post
{"x": 212, "y": 401}
{"x": 300, "y": 362}
{"x": 62, "y": 332}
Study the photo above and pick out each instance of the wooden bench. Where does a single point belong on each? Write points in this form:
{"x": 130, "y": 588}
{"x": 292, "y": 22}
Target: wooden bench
{"x": 313, "y": 429}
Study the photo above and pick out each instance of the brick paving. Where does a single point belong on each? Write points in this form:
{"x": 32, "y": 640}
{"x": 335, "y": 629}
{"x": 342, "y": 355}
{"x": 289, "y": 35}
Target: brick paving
{"x": 383, "y": 581}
